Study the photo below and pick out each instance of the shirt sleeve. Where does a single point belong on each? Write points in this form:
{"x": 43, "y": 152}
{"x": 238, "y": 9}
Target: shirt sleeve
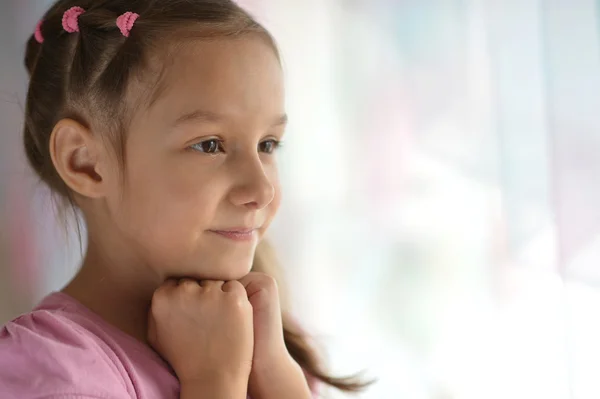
{"x": 43, "y": 355}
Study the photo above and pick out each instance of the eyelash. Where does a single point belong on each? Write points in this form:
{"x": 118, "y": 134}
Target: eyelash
{"x": 216, "y": 146}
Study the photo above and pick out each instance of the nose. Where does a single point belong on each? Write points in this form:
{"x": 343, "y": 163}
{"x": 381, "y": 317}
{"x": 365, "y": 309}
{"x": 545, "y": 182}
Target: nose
{"x": 253, "y": 189}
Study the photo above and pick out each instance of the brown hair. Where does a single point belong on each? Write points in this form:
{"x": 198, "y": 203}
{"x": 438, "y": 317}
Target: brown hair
{"x": 89, "y": 77}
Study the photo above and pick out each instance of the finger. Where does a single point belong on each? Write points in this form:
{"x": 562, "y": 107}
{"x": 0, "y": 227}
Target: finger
{"x": 252, "y": 278}
{"x": 188, "y": 284}
{"x": 170, "y": 283}
{"x": 234, "y": 287}
{"x": 210, "y": 284}
{"x": 185, "y": 280}
{"x": 167, "y": 286}
{"x": 256, "y": 282}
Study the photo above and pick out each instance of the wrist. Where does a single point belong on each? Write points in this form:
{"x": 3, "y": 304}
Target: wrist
{"x": 214, "y": 385}
{"x": 276, "y": 355}
{"x": 283, "y": 377}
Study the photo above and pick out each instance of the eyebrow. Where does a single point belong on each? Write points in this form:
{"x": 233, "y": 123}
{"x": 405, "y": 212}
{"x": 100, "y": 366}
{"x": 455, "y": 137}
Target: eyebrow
{"x": 208, "y": 116}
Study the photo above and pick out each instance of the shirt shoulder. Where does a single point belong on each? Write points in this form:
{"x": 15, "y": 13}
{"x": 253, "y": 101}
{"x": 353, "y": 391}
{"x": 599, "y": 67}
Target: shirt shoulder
{"x": 46, "y": 354}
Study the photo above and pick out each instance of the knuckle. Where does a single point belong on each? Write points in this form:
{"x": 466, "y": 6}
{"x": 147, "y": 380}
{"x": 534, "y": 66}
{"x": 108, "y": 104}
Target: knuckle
{"x": 160, "y": 295}
{"x": 269, "y": 283}
{"x": 188, "y": 289}
{"x": 210, "y": 285}
{"x": 188, "y": 285}
{"x": 239, "y": 301}
{"x": 234, "y": 286}
{"x": 159, "y": 303}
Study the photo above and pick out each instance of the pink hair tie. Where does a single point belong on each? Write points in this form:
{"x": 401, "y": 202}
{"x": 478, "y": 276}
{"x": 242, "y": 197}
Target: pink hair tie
{"x": 125, "y": 22}
{"x": 38, "y": 33}
{"x": 70, "y": 20}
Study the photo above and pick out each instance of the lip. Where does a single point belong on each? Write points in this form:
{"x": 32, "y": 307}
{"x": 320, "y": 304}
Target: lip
{"x": 237, "y": 234}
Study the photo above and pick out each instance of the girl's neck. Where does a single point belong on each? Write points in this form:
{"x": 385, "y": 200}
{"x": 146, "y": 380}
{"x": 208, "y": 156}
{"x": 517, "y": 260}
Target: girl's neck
{"x": 117, "y": 289}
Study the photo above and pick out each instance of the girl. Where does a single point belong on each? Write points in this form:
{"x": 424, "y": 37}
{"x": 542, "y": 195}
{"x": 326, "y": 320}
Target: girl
{"x": 158, "y": 121}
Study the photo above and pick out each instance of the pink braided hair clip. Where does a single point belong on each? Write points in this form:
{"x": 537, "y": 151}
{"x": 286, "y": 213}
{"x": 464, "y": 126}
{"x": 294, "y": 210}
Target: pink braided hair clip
{"x": 70, "y": 20}
{"x": 125, "y": 22}
{"x": 38, "y": 33}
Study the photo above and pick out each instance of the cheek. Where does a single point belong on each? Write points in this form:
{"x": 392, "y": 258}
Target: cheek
{"x": 168, "y": 203}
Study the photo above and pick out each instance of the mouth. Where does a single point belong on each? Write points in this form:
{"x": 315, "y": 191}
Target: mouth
{"x": 237, "y": 234}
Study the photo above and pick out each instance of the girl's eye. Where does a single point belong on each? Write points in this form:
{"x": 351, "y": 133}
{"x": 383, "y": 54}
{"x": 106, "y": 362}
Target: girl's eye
{"x": 212, "y": 146}
{"x": 269, "y": 146}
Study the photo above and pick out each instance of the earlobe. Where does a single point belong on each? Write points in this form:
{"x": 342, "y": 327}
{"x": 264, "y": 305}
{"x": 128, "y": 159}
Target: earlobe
{"x": 75, "y": 154}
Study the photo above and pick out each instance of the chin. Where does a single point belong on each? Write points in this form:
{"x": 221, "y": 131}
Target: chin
{"x": 218, "y": 269}
{"x": 230, "y": 274}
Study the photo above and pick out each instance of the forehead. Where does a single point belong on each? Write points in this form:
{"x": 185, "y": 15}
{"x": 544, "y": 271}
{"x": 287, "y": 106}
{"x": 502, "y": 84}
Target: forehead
{"x": 232, "y": 76}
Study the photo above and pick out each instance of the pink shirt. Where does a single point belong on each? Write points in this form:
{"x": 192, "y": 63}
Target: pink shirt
{"x": 62, "y": 350}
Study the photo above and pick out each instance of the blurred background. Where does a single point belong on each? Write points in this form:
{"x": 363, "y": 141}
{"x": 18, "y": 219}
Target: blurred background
{"x": 441, "y": 220}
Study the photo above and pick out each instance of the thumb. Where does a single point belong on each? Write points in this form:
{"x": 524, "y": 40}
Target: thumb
{"x": 264, "y": 298}
{"x": 262, "y": 291}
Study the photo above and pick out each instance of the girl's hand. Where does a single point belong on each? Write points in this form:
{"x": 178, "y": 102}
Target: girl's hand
{"x": 274, "y": 373}
{"x": 204, "y": 330}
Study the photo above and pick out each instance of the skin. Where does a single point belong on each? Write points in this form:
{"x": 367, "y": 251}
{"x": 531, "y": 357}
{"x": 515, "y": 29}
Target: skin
{"x": 198, "y": 161}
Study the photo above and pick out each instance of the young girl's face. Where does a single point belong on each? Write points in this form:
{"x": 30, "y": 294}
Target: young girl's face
{"x": 201, "y": 184}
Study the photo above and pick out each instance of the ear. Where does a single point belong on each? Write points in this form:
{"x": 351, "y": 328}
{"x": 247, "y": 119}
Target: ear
{"x": 76, "y": 156}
